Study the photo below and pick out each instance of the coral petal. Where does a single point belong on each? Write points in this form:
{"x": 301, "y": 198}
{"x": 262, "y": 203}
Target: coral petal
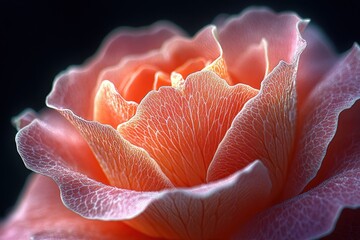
{"x": 319, "y": 118}
{"x": 125, "y": 165}
{"x": 140, "y": 83}
{"x": 264, "y": 129}
{"x": 110, "y": 107}
{"x": 181, "y": 127}
{"x": 174, "y": 54}
{"x": 191, "y": 66}
{"x": 75, "y": 89}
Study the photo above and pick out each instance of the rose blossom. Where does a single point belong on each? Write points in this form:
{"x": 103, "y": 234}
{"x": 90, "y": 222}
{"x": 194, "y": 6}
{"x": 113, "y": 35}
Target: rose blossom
{"x": 247, "y": 130}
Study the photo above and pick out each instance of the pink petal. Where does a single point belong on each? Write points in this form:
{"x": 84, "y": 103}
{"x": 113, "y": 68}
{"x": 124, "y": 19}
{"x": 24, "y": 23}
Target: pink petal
{"x": 81, "y": 194}
{"x": 265, "y": 128}
{"x": 347, "y": 135}
{"x": 64, "y": 139}
{"x": 24, "y": 118}
{"x": 76, "y": 88}
{"x": 319, "y": 117}
{"x": 240, "y": 33}
{"x": 318, "y": 58}
{"x": 181, "y": 127}
{"x": 252, "y": 67}
{"x": 314, "y": 213}
{"x": 40, "y": 214}
{"x": 210, "y": 211}
{"x": 309, "y": 215}
{"x": 110, "y": 107}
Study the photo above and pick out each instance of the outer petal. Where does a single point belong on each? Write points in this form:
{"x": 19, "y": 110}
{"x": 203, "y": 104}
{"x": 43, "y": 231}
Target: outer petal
{"x": 181, "y": 127}
{"x": 314, "y": 213}
{"x": 41, "y": 215}
{"x": 265, "y": 128}
{"x": 76, "y": 88}
{"x": 319, "y": 117}
{"x": 210, "y": 211}
{"x": 65, "y": 140}
{"x": 240, "y": 33}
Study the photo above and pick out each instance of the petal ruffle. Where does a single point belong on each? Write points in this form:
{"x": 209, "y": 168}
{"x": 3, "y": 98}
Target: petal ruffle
{"x": 75, "y": 89}
{"x": 173, "y": 55}
{"x": 318, "y": 120}
{"x": 265, "y": 128}
{"x": 239, "y": 34}
{"x": 181, "y": 127}
{"x": 310, "y": 215}
{"x": 41, "y": 215}
{"x": 314, "y": 213}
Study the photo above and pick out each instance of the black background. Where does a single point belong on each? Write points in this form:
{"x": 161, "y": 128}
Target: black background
{"x": 40, "y": 39}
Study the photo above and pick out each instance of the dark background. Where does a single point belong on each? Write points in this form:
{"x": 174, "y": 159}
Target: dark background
{"x": 40, "y": 39}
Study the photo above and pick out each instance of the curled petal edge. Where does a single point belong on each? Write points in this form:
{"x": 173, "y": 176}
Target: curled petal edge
{"x": 64, "y": 177}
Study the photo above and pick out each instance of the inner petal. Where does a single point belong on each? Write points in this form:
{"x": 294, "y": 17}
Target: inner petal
{"x": 140, "y": 83}
{"x": 178, "y": 54}
{"x": 181, "y": 127}
{"x": 191, "y": 66}
{"x": 252, "y": 66}
{"x": 110, "y": 107}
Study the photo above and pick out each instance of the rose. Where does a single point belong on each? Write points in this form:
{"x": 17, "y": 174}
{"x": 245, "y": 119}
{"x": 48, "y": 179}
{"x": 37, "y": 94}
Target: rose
{"x": 248, "y": 137}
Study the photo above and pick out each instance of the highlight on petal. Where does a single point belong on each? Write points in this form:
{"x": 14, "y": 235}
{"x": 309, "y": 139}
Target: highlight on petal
{"x": 238, "y": 35}
{"x": 110, "y": 107}
{"x": 181, "y": 127}
{"x": 319, "y": 117}
{"x": 75, "y": 88}
{"x": 265, "y": 128}
{"x": 40, "y": 214}
{"x": 177, "y": 55}
{"x": 125, "y": 165}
